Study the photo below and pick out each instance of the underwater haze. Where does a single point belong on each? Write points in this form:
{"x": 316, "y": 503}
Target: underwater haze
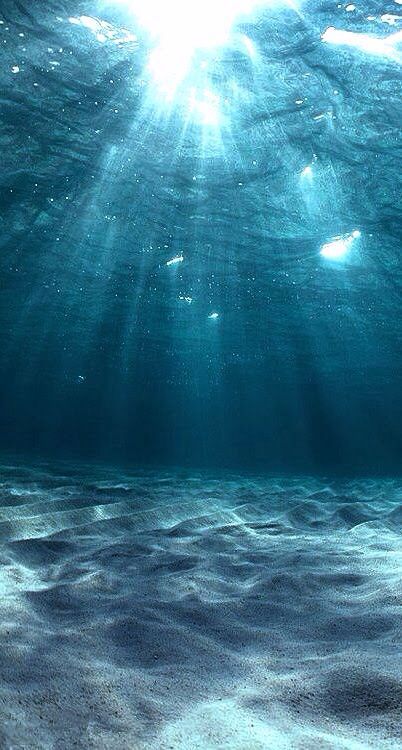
{"x": 200, "y": 375}
{"x": 200, "y": 252}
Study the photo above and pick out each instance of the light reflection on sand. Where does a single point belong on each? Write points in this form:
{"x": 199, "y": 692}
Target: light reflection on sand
{"x": 155, "y": 610}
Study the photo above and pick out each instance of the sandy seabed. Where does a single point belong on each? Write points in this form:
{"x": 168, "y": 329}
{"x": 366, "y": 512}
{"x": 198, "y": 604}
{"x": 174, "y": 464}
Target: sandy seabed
{"x": 157, "y": 611}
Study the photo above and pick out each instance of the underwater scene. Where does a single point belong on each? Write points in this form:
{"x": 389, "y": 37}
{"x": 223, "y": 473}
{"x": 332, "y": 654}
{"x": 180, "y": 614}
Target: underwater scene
{"x": 200, "y": 375}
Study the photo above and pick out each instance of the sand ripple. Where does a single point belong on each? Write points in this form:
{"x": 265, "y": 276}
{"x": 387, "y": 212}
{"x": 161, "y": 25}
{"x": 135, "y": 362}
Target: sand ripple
{"x": 171, "y": 611}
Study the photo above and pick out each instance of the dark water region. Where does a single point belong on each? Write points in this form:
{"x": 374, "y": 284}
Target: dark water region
{"x": 200, "y": 260}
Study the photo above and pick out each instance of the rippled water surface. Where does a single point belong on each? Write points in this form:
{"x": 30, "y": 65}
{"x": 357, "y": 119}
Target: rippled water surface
{"x": 200, "y": 232}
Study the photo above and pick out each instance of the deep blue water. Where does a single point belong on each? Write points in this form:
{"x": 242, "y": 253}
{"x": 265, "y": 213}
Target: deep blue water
{"x": 260, "y": 153}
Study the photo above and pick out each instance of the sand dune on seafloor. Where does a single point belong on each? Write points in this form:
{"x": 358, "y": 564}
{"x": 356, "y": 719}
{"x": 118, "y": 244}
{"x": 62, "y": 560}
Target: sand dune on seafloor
{"x": 159, "y": 612}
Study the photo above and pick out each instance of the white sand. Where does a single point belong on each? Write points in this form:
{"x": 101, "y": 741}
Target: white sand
{"x": 160, "y": 612}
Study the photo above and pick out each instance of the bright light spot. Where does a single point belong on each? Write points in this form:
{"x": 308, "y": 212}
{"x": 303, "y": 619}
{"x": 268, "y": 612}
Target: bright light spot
{"x": 339, "y": 246}
{"x": 15, "y": 69}
{"x": 102, "y": 30}
{"x": 307, "y": 171}
{"x": 179, "y": 28}
{"x": 350, "y": 8}
{"x": 249, "y": 45}
{"x": 390, "y": 19}
{"x": 213, "y": 316}
{"x": 206, "y": 106}
{"x": 175, "y": 260}
{"x": 322, "y": 116}
{"x": 183, "y": 298}
{"x": 192, "y": 24}
{"x": 383, "y": 47}
{"x": 165, "y": 67}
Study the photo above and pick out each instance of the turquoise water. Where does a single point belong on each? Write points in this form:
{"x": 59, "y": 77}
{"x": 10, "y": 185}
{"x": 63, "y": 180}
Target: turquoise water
{"x": 200, "y": 375}
{"x": 200, "y": 234}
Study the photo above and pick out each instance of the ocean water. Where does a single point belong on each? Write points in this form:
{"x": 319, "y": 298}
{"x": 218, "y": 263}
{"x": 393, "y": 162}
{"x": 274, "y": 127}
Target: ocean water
{"x": 200, "y": 375}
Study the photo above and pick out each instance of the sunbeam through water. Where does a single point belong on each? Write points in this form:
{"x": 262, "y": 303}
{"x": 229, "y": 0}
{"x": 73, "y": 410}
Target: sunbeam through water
{"x": 200, "y": 375}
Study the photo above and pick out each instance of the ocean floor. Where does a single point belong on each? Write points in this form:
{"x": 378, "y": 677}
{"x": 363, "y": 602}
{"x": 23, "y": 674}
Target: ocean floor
{"x": 155, "y": 611}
